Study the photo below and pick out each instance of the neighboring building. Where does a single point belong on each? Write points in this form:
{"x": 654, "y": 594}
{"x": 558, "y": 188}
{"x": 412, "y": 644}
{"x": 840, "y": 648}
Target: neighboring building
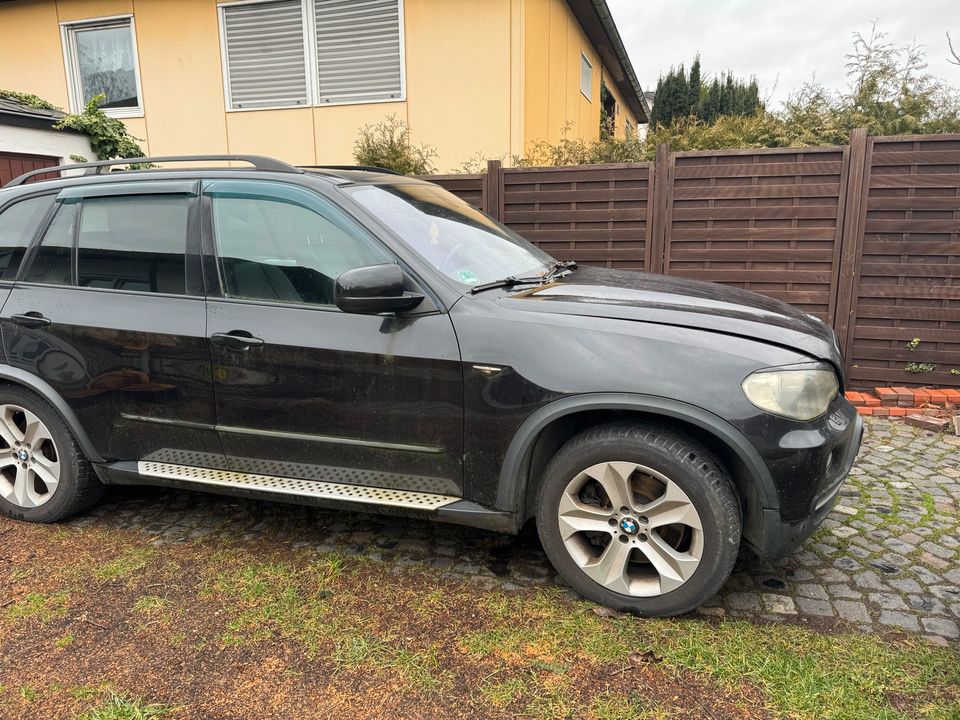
{"x": 29, "y": 142}
{"x": 296, "y": 78}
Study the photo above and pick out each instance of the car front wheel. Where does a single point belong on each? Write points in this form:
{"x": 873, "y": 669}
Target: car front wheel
{"x": 640, "y": 518}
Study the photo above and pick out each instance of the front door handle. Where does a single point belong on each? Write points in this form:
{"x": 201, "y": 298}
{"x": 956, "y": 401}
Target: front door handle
{"x": 31, "y": 319}
{"x": 236, "y": 340}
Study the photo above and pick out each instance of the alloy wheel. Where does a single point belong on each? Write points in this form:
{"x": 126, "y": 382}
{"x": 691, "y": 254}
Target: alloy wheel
{"x": 630, "y": 529}
{"x": 29, "y": 460}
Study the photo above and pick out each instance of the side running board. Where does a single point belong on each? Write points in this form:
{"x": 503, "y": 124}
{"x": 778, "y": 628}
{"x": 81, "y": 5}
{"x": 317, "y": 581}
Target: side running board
{"x": 292, "y": 486}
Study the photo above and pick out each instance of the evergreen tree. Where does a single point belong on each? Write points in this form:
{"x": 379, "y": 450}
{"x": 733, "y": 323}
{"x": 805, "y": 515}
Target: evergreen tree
{"x": 694, "y": 88}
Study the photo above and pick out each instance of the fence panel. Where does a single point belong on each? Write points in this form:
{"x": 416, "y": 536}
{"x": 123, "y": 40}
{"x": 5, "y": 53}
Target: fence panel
{"x": 908, "y": 273}
{"x": 466, "y": 187}
{"x": 594, "y": 214}
{"x": 764, "y": 220}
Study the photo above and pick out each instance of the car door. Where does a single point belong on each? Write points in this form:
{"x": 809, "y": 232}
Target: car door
{"x": 109, "y": 310}
{"x": 303, "y": 389}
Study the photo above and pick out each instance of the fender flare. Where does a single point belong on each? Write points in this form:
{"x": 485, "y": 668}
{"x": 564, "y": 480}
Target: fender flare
{"x": 42, "y": 388}
{"x": 512, "y": 488}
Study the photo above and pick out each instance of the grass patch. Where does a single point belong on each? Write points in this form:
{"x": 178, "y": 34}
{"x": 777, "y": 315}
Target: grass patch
{"x": 805, "y": 674}
{"x": 117, "y": 707}
{"x": 420, "y": 669}
{"x": 500, "y": 694}
{"x": 127, "y": 563}
{"x": 277, "y": 600}
{"x": 44, "y": 607}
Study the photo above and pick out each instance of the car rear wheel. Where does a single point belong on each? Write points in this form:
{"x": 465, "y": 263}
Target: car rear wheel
{"x": 639, "y": 517}
{"x": 44, "y": 476}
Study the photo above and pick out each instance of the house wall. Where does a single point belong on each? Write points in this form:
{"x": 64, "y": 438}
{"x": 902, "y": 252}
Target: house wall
{"x": 553, "y": 101}
{"x": 463, "y": 80}
{"x": 36, "y": 141}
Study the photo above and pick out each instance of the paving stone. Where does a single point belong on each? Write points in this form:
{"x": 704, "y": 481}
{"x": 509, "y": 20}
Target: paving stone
{"x": 900, "y": 619}
{"x": 869, "y": 580}
{"x": 809, "y": 590}
{"x": 852, "y": 611}
{"x": 843, "y": 591}
{"x": 781, "y": 604}
{"x": 941, "y": 626}
{"x": 905, "y": 585}
{"x": 809, "y": 606}
{"x": 743, "y": 601}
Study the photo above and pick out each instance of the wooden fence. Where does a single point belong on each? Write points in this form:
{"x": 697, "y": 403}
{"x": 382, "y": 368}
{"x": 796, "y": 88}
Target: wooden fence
{"x": 865, "y": 236}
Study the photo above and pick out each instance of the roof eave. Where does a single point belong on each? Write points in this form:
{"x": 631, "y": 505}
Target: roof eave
{"x": 597, "y": 22}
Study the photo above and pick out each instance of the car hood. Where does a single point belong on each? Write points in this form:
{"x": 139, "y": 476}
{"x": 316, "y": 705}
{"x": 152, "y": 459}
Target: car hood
{"x": 645, "y": 297}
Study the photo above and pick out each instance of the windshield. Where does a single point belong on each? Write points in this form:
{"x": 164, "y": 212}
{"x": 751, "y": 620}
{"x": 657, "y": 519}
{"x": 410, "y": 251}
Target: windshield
{"x": 458, "y": 240}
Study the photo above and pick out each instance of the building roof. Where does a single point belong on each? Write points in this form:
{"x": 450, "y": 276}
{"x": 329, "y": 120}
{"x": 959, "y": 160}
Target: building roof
{"x": 597, "y": 22}
{"x": 14, "y": 112}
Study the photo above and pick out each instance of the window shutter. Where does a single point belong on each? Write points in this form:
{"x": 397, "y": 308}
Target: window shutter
{"x": 265, "y": 54}
{"x": 358, "y": 49}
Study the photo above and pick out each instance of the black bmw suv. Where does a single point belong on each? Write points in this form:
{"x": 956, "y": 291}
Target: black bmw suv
{"x": 356, "y": 339}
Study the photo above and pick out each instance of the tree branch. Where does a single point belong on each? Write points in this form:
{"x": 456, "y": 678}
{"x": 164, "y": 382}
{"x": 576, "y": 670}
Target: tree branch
{"x": 956, "y": 57}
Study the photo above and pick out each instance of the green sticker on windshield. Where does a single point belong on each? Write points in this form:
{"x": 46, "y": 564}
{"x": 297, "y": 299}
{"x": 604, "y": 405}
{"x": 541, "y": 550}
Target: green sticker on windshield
{"x": 467, "y": 277}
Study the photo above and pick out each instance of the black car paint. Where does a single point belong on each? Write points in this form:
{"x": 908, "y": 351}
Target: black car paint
{"x": 447, "y": 398}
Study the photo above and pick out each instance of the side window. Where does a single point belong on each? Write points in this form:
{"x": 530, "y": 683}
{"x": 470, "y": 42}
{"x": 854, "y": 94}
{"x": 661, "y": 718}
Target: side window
{"x": 17, "y": 225}
{"x": 51, "y": 263}
{"x": 133, "y": 242}
{"x": 284, "y": 243}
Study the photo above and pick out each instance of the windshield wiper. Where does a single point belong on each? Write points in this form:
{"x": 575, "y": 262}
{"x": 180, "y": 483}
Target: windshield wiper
{"x": 558, "y": 268}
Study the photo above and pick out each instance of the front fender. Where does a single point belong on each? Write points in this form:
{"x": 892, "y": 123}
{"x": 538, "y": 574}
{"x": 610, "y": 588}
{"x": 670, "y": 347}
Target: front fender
{"x": 514, "y": 475}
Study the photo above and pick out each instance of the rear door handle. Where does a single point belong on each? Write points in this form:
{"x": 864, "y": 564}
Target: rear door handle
{"x": 31, "y": 320}
{"x": 236, "y": 340}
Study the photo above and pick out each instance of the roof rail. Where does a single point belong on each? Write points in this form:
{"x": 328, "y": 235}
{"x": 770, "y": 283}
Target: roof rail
{"x": 259, "y": 162}
{"x": 368, "y": 168}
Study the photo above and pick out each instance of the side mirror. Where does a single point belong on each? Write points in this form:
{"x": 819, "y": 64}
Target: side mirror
{"x": 372, "y": 290}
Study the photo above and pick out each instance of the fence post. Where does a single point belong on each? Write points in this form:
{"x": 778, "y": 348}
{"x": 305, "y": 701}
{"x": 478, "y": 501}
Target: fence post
{"x": 493, "y": 190}
{"x": 658, "y": 211}
{"x": 851, "y": 239}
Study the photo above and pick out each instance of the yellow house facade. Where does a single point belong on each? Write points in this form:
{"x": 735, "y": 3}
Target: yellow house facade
{"x": 296, "y": 79}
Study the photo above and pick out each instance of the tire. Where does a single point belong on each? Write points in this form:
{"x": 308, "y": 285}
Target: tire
{"x": 668, "y": 568}
{"x": 77, "y": 487}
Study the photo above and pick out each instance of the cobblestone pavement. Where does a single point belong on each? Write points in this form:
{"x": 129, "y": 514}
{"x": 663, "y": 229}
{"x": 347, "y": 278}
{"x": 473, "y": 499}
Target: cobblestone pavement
{"x": 887, "y": 558}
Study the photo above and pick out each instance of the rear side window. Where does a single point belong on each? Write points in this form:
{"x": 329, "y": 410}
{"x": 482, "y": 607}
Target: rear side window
{"x": 133, "y": 242}
{"x": 17, "y": 226}
{"x": 129, "y": 242}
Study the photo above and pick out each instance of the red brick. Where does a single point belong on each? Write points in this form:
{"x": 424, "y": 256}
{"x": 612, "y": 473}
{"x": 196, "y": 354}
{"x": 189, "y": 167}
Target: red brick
{"x": 903, "y": 392}
{"x": 952, "y": 395}
{"x": 882, "y": 411}
{"x": 897, "y": 411}
{"x": 855, "y": 398}
{"x": 887, "y": 396}
{"x": 927, "y": 423}
{"x": 865, "y": 410}
{"x": 938, "y": 396}
{"x": 921, "y": 396}
{"x": 871, "y": 401}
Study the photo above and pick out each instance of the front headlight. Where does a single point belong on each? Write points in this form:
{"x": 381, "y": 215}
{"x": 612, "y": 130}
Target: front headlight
{"x": 796, "y": 393}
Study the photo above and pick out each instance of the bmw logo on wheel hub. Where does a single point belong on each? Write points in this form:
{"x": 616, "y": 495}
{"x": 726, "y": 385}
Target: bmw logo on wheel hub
{"x": 23, "y": 455}
{"x": 629, "y": 526}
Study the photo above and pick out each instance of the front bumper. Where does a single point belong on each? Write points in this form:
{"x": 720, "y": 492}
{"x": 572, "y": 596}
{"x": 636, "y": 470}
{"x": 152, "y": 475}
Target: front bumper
{"x": 777, "y": 533}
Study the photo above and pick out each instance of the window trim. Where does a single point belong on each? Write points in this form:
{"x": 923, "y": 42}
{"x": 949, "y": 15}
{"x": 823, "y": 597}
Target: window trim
{"x": 72, "y": 67}
{"x": 585, "y": 59}
{"x": 308, "y": 15}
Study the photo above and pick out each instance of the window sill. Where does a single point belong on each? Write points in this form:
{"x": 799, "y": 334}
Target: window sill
{"x": 340, "y": 103}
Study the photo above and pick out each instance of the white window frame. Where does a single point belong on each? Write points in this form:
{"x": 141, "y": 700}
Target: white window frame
{"x": 585, "y": 60}
{"x": 72, "y": 66}
{"x": 308, "y": 13}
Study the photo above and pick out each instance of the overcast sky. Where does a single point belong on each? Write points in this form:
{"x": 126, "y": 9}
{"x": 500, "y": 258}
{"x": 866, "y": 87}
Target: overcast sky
{"x": 782, "y": 42}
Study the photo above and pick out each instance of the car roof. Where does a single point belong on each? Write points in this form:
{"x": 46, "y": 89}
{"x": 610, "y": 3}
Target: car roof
{"x": 106, "y": 171}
